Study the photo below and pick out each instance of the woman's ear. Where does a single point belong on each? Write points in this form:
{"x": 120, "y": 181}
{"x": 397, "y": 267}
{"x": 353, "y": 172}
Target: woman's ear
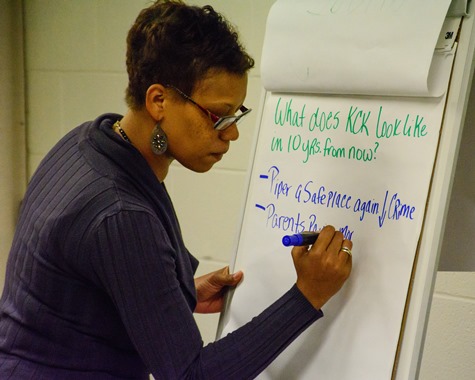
{"x": 154, "y": 101}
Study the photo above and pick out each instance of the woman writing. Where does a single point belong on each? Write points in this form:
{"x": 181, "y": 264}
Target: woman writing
{"x": 99, "y": 282}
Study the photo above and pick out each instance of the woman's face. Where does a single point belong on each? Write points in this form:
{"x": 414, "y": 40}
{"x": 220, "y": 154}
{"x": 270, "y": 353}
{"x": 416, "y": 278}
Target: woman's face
{"x": 192, "y": 140}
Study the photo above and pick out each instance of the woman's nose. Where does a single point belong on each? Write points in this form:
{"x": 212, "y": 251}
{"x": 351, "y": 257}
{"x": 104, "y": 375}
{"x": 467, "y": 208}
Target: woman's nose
{"x": 231, "y": 133}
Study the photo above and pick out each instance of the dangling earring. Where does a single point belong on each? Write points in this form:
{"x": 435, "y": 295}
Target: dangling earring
{"x": 159, "y": 140}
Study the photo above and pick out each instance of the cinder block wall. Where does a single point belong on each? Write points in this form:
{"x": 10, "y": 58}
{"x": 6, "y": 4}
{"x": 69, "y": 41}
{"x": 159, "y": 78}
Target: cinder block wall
{"x": 75, "y": 71}
{"x": 12, "y": 124}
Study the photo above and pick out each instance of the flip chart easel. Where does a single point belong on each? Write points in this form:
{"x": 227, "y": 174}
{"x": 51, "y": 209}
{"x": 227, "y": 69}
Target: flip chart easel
{"x": 363, "y": 162}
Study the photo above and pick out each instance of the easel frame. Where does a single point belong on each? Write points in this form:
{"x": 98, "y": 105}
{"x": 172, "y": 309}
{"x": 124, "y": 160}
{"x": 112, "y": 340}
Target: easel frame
{"x": 411, "y": 348}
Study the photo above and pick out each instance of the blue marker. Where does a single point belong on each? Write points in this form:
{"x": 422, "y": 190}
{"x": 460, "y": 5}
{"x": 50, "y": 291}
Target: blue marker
{"x": 305, "y": 238}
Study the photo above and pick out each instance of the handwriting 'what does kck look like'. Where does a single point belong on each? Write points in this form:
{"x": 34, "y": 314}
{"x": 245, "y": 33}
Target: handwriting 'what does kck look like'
{"x": 311, "y": 130}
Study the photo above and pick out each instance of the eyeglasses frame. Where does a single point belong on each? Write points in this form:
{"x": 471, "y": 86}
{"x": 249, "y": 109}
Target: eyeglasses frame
{"x": 217, "y": 120}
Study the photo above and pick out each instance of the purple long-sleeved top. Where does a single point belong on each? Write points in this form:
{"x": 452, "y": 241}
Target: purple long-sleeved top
{"x": 99, "y": 283}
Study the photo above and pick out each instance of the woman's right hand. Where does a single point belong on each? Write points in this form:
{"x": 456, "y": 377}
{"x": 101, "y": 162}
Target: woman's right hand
{"x": 323, "y": 269}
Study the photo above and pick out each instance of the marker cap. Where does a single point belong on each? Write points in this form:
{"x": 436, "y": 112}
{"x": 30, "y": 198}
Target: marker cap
{"x": 290, "y": 240}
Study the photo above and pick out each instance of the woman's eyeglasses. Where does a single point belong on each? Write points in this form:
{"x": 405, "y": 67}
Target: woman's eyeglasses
{"x": 220, "y": 123}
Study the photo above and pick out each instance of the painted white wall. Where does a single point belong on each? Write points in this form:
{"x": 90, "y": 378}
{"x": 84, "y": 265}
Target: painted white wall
{"x": 75, "y": 71}
{"x": 459, "y": 239}
{"x": 12, "y": 124}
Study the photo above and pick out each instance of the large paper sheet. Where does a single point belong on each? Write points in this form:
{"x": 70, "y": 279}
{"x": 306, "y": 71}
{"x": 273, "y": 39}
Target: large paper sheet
{"x": 363, "y": 165}
{"x": 373, "y": 47}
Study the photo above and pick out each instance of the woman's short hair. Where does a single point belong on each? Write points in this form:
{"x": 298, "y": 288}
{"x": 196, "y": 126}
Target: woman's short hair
{"x": 172, "y": 43}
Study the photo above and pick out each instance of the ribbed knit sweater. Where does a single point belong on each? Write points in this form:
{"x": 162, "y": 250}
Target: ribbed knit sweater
{"x": 99, "y": 283}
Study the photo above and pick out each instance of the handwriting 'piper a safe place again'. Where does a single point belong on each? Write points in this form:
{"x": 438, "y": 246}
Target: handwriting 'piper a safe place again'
{"x": 309, "y": 192}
